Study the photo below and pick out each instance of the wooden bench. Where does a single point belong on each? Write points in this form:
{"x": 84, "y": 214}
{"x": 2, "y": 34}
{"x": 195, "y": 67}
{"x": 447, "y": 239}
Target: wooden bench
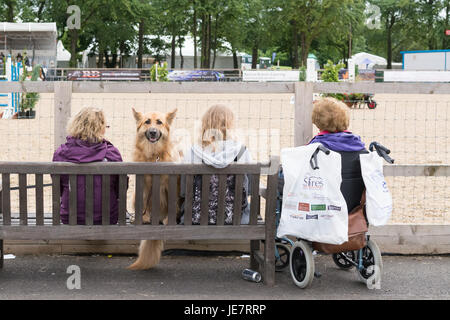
{"x": 40, "y": 225}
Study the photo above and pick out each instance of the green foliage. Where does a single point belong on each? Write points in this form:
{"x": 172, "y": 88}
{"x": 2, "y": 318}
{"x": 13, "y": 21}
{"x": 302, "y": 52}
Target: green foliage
{"x": 331, "y": 72}
{"x": 332, "y": 29}
{"x": 161, "y": 75}
{"x": 3, "y": 69}
{"x": 302, "y": 73}
{"x": 29, "y": 100}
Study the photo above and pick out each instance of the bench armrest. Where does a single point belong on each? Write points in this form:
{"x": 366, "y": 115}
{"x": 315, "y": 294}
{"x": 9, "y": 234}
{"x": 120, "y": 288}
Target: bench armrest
{"x": 272, "y": 167}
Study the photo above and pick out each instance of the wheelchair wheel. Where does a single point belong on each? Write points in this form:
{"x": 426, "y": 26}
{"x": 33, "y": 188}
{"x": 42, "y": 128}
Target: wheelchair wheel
{"x": 372, "y": 263}
{"x": 340, "y": 261}
{"x": 302, "y": 264}
{"x": 282, "y": 256}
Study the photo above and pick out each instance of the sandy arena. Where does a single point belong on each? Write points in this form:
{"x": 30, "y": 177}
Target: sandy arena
{"x": 415, "y": 127}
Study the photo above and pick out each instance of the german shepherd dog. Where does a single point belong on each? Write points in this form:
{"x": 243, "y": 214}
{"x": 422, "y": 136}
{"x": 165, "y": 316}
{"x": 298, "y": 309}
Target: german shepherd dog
{"x": 153, "y": 144}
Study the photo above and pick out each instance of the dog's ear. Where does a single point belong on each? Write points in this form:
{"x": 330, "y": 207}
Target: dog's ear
{"x": 137, "y": 115}
{"x": 171, "y": 116}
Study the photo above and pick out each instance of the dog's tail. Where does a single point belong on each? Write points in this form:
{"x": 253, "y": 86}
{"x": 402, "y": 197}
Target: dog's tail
{"x": 149, "y": 255}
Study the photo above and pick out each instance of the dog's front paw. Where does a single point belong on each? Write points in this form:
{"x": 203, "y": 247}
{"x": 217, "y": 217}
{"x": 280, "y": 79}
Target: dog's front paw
{"x": 146, "y": 218}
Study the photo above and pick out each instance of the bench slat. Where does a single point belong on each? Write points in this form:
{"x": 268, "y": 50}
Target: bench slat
{"x": 156, "y": 203}
{"x": 89, "y": 200}
{"x": 188, "y": 200}
{"x": 172, "y": 200}
{"x": 139, "y": 195}
{"x": 39, "y": 199}
{"x": 133, "y": 232}
{"x": 56, "y": 199}
{"x": 255, "y": 204}
{"x": 23, "y": 205}
{"x": 204, "y": 216}
{"x": 117, "y": 168}
{"x": 221, "y": 199}
{"x": 122, "y": 199}
{"x": 238, "y": 199}
{"x": 106, "y": 189}
{"x": 48, "y": 219}
{"x": 6, "y": 199}
{"x": 73, "y": 200}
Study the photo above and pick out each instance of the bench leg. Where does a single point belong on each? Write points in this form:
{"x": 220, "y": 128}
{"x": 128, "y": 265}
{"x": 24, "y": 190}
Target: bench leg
{"x": 269, "y": 244}
{"x": 254, "y": 247}
{"x": 269, "y": 262}
{"x": 1, "y": 254}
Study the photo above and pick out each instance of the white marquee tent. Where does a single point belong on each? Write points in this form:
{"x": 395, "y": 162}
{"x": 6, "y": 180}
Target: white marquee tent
{"x": 366, "y": 60}
{"x": 63, "y": 56}
{"x": 37, "y": 40}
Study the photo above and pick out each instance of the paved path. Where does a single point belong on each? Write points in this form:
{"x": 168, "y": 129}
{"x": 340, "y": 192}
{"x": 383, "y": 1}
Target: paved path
{"x": 217, "y": 278}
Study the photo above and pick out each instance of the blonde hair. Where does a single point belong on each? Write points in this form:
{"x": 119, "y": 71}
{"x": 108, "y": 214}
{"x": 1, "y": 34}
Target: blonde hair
{"x": 88, "y": 125}
{"x": 217, "y": 123}
{"x": 330, "y": 114}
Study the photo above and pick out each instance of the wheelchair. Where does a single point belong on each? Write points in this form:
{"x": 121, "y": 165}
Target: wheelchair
{"x": 299, "y": 255}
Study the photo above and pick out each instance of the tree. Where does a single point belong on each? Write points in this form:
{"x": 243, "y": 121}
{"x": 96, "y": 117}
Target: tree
{"x": 394, "y": 16}
{"x": 76, "y": 40}
{"x": 232, "y": 29}
{"x": 173, "y": 23}
{"x": 346, "y": 36}
{"x": 144, "y": 16}
{"x": 255, "y": 27}
{"x": 88, "y": 10}
{"x": 309, "y": 19}
{"x": 445, "y": 23}
{"x": 8, "y": 10}
{"x": 114, "y": 31}
{"x": 428, "y": 15}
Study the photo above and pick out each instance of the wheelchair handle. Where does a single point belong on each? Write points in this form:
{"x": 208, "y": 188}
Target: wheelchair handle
{"x": 382, "y": 151}
{"x": 313, "y": 161}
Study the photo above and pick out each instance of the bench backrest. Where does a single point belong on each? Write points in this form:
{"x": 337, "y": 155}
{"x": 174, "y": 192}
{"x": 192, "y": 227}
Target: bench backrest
{"x": 123, "y": 170}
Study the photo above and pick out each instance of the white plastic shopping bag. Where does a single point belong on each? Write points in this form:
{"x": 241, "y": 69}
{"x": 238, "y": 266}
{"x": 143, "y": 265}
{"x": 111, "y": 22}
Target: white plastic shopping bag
{"x": 378, "y": 196}
{"x": 313, "y": 208}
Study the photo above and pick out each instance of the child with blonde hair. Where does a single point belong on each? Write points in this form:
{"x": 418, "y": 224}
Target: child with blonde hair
{"x": 218, "y": 148}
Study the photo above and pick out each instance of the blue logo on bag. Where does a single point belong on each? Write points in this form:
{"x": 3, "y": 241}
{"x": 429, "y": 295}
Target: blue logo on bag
{"x": 313, "y": 183}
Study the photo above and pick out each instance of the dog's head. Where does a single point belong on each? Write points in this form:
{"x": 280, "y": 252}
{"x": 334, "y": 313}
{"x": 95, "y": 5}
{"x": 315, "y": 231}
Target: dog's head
{"x": 155, "y": 126}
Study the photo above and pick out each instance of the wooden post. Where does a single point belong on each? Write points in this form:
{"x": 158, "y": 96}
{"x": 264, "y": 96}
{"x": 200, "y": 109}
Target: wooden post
{"x": 1, "y": 254}
{"x": 269, "y": 245}
{"x": 62, "y": 111}
{"x": 303, "y": 128}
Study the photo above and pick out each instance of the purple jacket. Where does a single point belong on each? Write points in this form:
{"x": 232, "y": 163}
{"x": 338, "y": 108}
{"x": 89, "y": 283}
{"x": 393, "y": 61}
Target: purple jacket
{"x": 340, "y": 141}
{"x": 79, "y": 151}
